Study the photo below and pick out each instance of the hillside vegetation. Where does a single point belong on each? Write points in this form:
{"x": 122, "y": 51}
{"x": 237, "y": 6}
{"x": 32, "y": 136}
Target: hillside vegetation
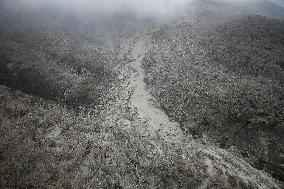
{"x": 122, "y": 103}
{"x": 43, "y": 54}
{"x": 224, "y": 83}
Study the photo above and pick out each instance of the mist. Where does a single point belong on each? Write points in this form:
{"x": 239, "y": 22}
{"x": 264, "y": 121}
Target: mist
{"x": 136, "y": 8}
{"x": 133, "y": 9}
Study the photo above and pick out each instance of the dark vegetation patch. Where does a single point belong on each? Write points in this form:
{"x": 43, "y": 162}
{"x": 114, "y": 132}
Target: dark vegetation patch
{"x": 47, "y": 55}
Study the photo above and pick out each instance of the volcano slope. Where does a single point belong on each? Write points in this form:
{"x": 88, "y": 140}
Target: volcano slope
{"x": 47, "y": 145}
{"x": 224, "y": 84}
{"x": 75, "y": 111}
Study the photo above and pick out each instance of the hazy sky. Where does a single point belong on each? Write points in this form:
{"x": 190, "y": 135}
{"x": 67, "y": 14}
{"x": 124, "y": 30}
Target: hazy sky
{"x": 159, "y": 8}
{"x": 278, "y": 2}
{"x": 137, "y": 8}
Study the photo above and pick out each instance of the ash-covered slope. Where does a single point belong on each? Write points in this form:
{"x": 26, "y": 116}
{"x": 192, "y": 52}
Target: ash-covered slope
{"x": 225, "y": 84}
{"x": 45, "y": 145}
{"x": 114, "y": 133}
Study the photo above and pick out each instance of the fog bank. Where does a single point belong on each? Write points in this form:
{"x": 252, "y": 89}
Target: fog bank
{"x": 136, "y": 8}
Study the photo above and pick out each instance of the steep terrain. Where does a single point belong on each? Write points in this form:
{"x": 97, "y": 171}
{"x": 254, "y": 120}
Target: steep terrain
{"x": 158, "y": 121}
{"x": 52, "y": 146}
{"x": 124, "y": 103}
{"x": 219, "y": 164}
{"x": 225, "y": 84}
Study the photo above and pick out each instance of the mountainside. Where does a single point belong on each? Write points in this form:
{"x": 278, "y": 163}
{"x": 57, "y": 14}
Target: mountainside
{"x": 224, "y": 84}
{"x": 120, "y": 101}
{"x": 268, "y": 8}
{"x": 53, "y": 59}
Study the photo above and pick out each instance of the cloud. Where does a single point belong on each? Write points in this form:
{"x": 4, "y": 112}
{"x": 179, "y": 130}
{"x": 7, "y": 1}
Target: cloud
{"x": 138, "y": 8}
